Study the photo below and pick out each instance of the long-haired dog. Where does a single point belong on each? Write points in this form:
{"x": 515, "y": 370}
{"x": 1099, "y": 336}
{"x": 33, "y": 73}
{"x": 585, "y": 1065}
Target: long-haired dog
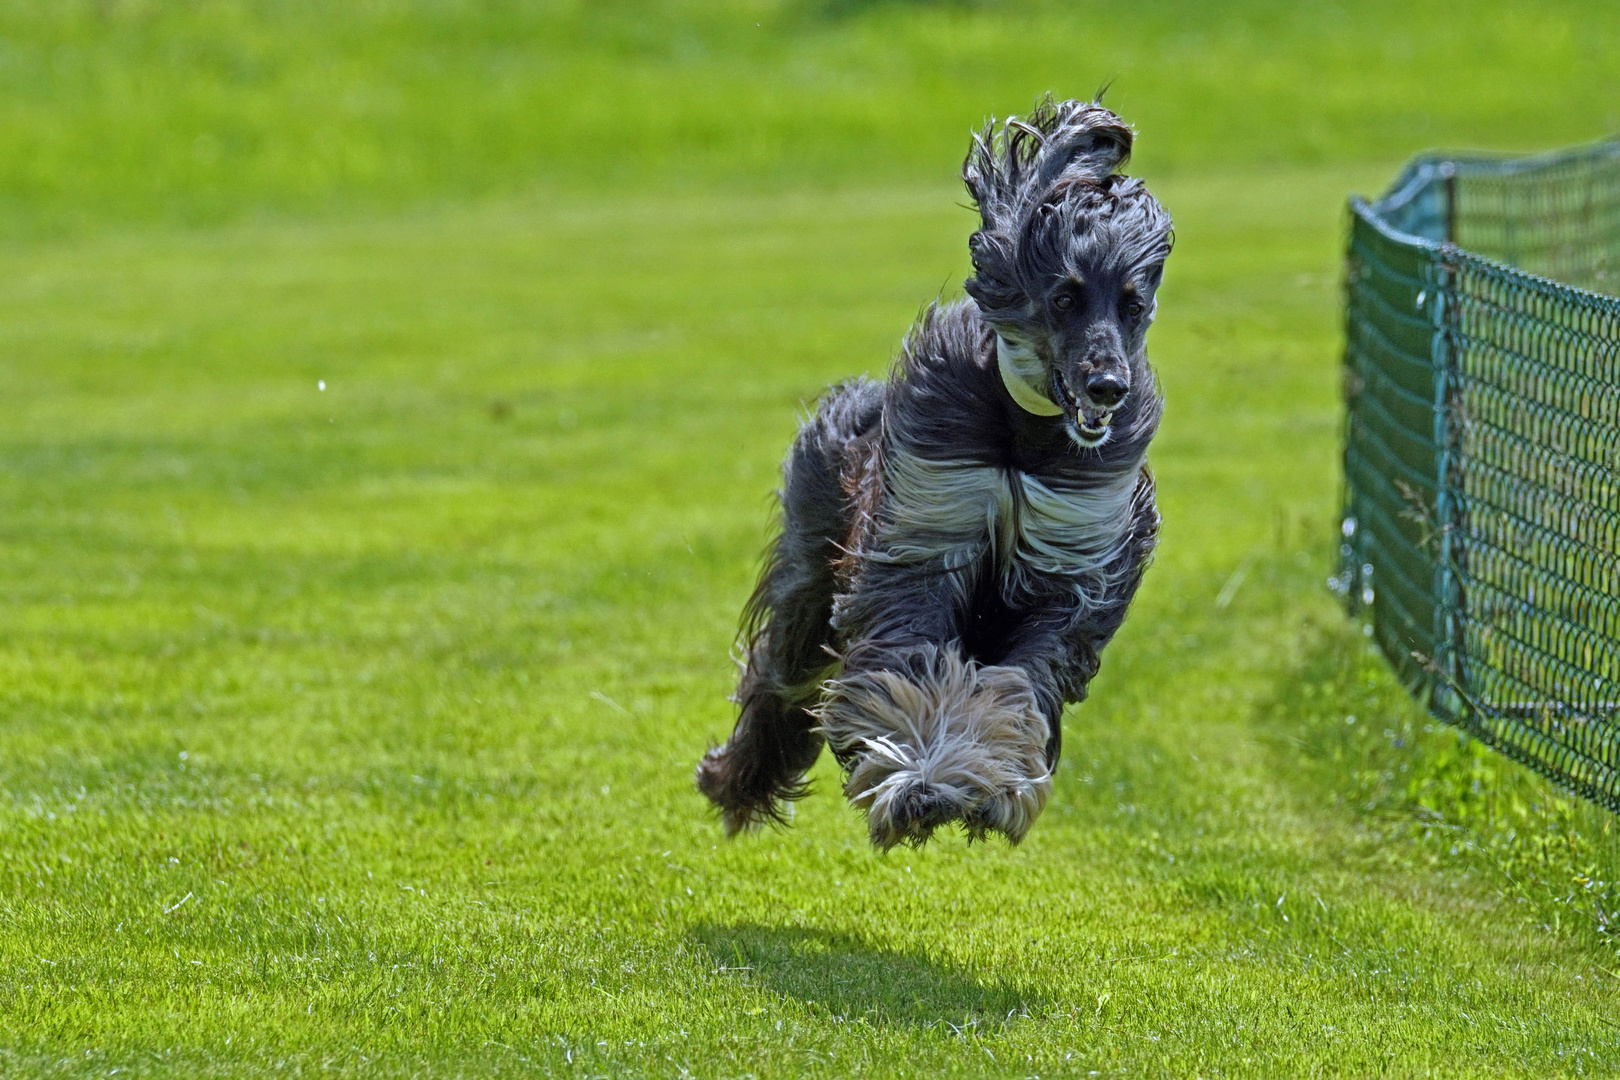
{"x": 959, "y": 542}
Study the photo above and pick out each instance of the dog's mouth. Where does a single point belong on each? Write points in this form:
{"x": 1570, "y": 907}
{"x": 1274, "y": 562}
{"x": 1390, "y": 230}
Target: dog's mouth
{"x": 1092, "y": 424}
{"x": 1090, "y": 427}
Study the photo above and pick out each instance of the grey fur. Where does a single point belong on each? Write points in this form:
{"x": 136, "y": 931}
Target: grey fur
{"x": 951, "y": 562}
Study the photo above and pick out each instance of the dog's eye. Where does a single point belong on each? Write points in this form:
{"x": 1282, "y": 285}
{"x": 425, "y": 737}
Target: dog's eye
{"x": 1135, "y": 306}
{"x": 1064, "y": 302}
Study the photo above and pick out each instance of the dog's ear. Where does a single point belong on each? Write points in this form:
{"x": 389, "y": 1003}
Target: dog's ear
{"x": 1080, "y": 140}
{"x": 1010, "y": 167}
{"x": 993, "y": 284}
{"x": 985, "y": 174}
{"x": 992, "y": 173}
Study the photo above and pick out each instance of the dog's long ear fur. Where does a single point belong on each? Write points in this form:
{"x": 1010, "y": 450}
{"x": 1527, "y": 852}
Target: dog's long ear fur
{"x": 1013, "y": 166}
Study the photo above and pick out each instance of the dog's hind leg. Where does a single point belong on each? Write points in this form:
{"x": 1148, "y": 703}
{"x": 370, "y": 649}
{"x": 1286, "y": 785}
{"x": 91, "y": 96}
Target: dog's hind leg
{"x": 787, "y": 625}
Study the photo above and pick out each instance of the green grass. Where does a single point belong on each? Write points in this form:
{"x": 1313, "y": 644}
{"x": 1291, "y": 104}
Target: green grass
{"x": 350, "y": 729}
{"x": 205, "y": 110}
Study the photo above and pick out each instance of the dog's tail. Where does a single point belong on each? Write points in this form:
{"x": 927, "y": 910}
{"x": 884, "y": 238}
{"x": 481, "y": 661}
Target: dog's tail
{"x": 1021, "y": 159}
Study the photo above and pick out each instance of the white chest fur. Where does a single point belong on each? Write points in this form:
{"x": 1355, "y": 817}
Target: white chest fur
{"x": 978, "y": 517}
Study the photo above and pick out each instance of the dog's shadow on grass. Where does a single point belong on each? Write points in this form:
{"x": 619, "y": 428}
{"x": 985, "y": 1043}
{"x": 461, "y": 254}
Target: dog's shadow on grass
{"x": 854, "y": 980}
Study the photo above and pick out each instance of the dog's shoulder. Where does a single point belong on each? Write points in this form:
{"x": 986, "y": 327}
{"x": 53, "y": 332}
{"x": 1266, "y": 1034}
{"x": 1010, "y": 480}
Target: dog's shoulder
{"x": 943, "y": 393}
{"x": 949, "y": 342}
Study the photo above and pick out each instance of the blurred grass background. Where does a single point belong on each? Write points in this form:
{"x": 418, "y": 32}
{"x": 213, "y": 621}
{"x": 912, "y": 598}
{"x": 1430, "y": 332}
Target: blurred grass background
{"x": 134, "y": 110}
{"x": 393, "y": 392}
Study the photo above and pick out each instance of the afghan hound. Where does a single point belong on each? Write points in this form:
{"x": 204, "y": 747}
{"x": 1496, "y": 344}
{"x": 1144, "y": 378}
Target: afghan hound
{"x": 960, "y": 541}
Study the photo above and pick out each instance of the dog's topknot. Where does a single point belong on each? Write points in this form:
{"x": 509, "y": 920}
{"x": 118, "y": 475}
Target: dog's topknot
{"x": 1051, "y": 198}
{"x": 1017, "y": 163}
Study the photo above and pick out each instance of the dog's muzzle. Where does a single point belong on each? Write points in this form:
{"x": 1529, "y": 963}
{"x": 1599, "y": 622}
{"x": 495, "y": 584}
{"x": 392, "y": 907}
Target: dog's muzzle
{"x": 1093, "y": 410}
{"x": 1092, "y": 423}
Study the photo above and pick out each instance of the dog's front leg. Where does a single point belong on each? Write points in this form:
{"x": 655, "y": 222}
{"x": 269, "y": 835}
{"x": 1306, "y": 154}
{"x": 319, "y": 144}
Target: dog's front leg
{"x": 759, "y": 772}
{"x": 1059, "y": 644}
{"x": 926, "y": 735}
{"x": 1059, "y": 658}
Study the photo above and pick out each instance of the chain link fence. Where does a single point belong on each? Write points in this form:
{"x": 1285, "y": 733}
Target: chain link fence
{"x": 1482, "y": 507}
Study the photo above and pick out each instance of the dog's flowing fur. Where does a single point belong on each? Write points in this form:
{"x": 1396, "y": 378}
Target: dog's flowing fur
{"x": 960, "y": 542}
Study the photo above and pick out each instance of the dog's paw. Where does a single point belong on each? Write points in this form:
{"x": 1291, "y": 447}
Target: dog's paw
{"x": 907, "y": 811}
{"x": 743, "y": 804}
{"x": 939, "y": 739}
{"x": 1009, "y": 812}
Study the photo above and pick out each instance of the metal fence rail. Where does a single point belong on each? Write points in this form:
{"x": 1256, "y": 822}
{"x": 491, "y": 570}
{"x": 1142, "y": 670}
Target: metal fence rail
{"x": 1482, "y": 506}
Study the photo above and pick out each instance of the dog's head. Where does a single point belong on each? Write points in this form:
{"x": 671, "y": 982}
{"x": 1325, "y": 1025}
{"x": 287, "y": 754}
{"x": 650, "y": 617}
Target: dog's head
{"x": 1067, "y": 261}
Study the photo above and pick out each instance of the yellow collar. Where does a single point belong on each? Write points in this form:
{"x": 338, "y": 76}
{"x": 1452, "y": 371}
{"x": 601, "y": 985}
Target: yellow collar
{"x": 1021, "y": 373}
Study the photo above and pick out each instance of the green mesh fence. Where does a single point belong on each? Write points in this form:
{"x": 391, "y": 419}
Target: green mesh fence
{"x": 1482, "y": 508}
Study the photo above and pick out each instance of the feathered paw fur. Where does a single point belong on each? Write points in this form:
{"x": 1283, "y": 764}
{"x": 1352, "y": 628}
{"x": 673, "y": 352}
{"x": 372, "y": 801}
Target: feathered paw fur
{"x": 934, "y": 738}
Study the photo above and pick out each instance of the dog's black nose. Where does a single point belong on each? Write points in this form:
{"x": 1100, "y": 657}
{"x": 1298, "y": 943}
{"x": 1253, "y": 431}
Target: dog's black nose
{"x": 1106, "y": 389}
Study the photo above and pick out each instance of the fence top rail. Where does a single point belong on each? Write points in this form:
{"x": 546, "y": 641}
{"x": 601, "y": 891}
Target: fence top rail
{"x": 1368, "y": 213}
{"x": 1427, "y": 168}
{"x": 1423, "y": 173}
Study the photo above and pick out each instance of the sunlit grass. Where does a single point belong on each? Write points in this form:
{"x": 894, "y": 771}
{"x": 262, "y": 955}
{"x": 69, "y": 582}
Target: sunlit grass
{"x": 353, "y": 727}
{"x": 373, "y": 546}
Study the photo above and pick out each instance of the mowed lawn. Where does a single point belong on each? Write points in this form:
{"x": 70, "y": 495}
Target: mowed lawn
{"x": 368, "y": 575}
{"x": 351, "y": 729}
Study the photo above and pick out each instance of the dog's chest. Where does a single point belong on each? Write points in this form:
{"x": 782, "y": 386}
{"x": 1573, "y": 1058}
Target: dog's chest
{"x": 963, "y": 512}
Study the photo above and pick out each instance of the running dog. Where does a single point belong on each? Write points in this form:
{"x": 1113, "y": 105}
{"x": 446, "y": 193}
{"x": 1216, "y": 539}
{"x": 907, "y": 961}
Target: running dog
{"x": 960, "y": 541}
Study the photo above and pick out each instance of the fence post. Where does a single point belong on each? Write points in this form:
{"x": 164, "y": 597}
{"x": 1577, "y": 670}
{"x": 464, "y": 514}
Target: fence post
{"x": 1346, "y": 581}
{"x": 1448, "y": 695}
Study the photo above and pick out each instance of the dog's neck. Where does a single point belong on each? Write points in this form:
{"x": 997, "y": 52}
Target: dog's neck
{"x": 1021, "y": 372}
